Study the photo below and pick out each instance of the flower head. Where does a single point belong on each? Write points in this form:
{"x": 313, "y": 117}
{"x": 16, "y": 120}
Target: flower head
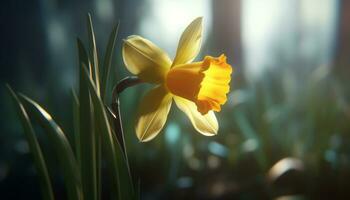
{"x": 205, "y": 83}
{"x": 198, "y": 88}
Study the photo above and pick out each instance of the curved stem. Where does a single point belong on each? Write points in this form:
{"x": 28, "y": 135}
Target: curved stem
{"x": 123, "y": 84}
{"x": 119, "y": 88}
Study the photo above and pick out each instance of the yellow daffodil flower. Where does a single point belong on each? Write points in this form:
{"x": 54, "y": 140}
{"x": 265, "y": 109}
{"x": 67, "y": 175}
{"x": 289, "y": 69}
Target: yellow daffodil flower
{"x": 198, "y": 88}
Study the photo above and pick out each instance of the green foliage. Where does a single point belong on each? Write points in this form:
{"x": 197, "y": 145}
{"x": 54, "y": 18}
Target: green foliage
{"x": 80, "y": 162}
{"x": 119, "y": 168}
{"x": 45, "y": 182}
{"x": 289, "y": 114}
{"x": 108, "y": 61}
{"x": 61, "y": 147}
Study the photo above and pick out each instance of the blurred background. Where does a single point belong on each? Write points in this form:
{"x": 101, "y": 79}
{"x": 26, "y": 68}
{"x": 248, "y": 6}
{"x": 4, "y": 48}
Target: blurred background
{"x": 284, "y": 132}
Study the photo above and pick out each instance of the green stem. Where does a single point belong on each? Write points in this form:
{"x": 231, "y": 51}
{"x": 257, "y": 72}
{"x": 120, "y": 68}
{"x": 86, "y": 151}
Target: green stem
{"x": 119, "y": 88}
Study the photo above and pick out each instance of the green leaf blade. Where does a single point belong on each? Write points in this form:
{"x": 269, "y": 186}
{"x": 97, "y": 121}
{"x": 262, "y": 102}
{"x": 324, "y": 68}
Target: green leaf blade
{"x": 44, "y": 179}
{"x": 93, "y": 54}
{"x": 61, "y": 147}
{"x": 120, "y": 174}
{"x": 88, "y": 163}
{"x": 76, "y": 123}
{"x": 107, "y": 62}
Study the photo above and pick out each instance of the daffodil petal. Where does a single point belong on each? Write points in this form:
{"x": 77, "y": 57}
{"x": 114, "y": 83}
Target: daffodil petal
{"x": 205, "y": 124}
{"x": 145, "y": 59}
{"x": 152, "y": 114}
{"x": 190, "y": 43}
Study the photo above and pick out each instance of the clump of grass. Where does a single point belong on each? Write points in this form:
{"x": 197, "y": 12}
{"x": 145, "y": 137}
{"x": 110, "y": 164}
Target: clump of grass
{"x": 95, "y": 137}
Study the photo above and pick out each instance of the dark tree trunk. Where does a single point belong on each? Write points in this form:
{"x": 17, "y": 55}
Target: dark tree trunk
{"x": 342, "y": 57}
{"x": 227, "y": 33}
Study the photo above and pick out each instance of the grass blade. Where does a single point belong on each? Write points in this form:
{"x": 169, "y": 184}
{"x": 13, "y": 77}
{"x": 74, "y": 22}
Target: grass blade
{"x": 61, "y": 146}
{"x": 83, "y": 57}
{"x": 120, "y": 175}
{"x": 107, "y": 62}
{"x": 87, "y": 134}
{"x": 249, "y": 133}
{"x": 44, "y": 179}
{"x": 93, "y": 55}
{"x": 76, "y": 124}
{"x": 125, "y": 179}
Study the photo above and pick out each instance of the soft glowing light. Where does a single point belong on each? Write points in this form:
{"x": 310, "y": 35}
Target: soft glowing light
{"x": 250, "y": 145}
{"x": 105, "y": 9}
{"x": 284, "y": 165}
{"x": 218, "y": 149}
{"x": 184, "y": 182}
{"x": 263, "y": 23}
{"x": 171, "y": 18}
{"x": 294, "y": 30}
{"x": 172, "y": 133}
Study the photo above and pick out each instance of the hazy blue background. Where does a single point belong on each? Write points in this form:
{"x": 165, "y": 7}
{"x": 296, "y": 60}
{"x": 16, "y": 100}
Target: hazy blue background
{"x": 289, "y": 99}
